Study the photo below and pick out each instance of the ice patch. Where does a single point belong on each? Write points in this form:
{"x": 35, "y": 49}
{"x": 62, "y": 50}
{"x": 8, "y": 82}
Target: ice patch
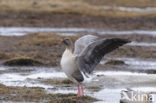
{"x": 123, "y": 73}
{"x": 15, "y": 79}
{"x": 46, "y": 75}
{"x": 130, "y": 9}
{"x": 129, "y": 32}
{"x": 108, "y": 96}
{"x": 142, "y": 44}
{"x": 20, "y": 31}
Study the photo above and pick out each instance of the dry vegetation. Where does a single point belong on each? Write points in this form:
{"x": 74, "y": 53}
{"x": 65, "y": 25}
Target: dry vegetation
{"x": 36, "y": 94}
{"x": 83, "y": 7}
{"x": 76, "y": 13}
{"x": 125, "y": 3}
{"x": 32, "y": 49}
{"x": 115, "y": 62}
{"x": 56, "y": 81}
{"x": 46, "y": 49}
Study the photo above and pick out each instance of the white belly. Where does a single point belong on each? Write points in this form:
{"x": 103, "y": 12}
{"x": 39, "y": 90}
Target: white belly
{"x": 67, "y": 66}
{"x": 68, "y": 63}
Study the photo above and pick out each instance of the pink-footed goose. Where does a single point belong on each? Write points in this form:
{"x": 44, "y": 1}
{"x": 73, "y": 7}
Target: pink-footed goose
{"x": 89, "y": 50}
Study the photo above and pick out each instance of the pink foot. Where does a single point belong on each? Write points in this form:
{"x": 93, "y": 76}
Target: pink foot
{"x": 78, "y": 93}
{"x": 82, "y": 90}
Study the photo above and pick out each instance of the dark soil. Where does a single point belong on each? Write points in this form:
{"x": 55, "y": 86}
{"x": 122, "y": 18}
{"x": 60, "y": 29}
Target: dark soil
{"x": 22, "y": 62}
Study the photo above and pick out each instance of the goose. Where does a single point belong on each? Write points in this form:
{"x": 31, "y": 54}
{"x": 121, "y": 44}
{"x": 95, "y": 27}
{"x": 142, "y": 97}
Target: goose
{"x": 77, "y": 63}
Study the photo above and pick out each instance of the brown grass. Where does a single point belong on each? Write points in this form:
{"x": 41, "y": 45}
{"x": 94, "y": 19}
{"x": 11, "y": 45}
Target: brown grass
{"x": 115, "y": 62}
{"x": 37, "y": 49}
{"x": 94, "y": 88}
{"x": 75, "y": 6}
{"x": 48, "y": 39}
{"x": 57, "y": 81}
{"x": 126, "y": 3}
{"x": 37, "y": 95}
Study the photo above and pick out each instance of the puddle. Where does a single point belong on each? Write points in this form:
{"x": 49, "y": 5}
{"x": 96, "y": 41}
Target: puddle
{"x": 130, "y": 9}
{"x": 21, "y": 80}
{"x": 45, "y": 75}
{"x": 138, "y": 63}
{"x": 18, "y": 77}
{"x": 27, "y": 84}
{"x": 14, "y": 79}
{"x": 29, "y": 79}
{"x": 126, "y": 78}
{"x": 134, "y": 63}
{"x": 106, "y": 96}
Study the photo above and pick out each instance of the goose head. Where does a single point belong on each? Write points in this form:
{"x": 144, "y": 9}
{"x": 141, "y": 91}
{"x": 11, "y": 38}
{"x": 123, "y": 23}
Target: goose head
{"x": 68, "y": 43}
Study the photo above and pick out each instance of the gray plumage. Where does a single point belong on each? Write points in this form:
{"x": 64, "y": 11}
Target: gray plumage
{"x": 83, "y": 42}
{"x": 94, "y": 52}
{"x": 89, "y": 50}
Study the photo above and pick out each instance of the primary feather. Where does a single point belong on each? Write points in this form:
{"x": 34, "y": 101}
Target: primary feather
{"x": 94, "y": 52}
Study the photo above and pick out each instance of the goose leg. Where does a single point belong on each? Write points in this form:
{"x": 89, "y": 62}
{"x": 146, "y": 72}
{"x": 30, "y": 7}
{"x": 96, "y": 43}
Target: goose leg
{"x": 82, "y": 90}
{"x": 78, "y": 93}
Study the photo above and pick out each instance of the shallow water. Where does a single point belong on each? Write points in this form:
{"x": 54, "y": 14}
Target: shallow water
{"x": 113, "y": 95}
{"x": 110, "y": 82}
{"x": 29, "y": 79}
{"x": 135, "y": 63}
{"x": 119, "y": 81}
{"x": 138, "y": 63}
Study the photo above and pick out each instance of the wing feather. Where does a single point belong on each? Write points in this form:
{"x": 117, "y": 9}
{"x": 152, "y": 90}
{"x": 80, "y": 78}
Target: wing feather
{"x": 83, "y": 42}
{"x": 93, "y": 54}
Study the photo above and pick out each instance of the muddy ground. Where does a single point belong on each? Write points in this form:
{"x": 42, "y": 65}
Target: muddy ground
{"x": 37, "y": 94}
{"x": 46, "y": 48}
{"x": 29, "y": 19}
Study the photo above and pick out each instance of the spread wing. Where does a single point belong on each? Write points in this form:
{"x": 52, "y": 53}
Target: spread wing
{"x": 83, "y": 42}
{"x": 94, "y": 52}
